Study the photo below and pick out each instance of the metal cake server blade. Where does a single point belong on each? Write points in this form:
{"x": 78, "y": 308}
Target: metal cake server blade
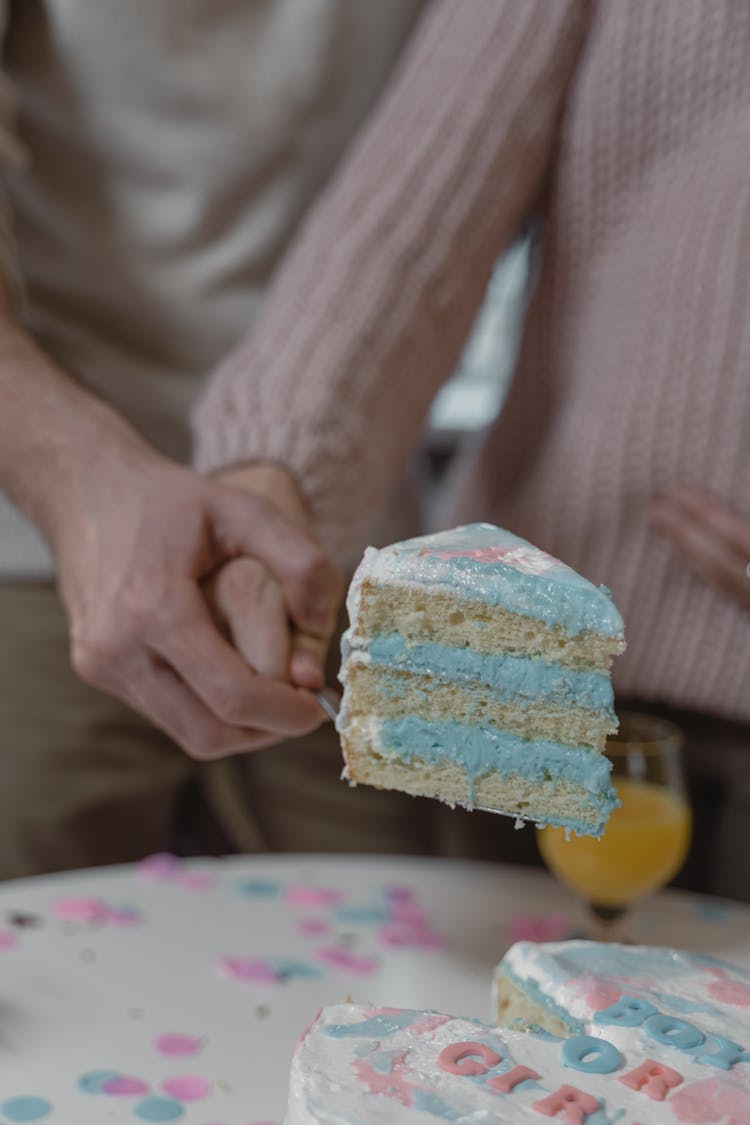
{"x": 330, "y": 704}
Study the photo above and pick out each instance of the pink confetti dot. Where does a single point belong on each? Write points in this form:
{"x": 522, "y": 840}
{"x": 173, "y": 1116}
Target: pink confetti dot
{"x": 196, "y": 880}
{"x": 187, "y": 1087}
{"x": 163, "y": 865}
{"x": 339, "y": 958}
{"x": 410, "y": 937}
{"x": 125, "y": 916}
{"x": 80, "y": 910}
{"x": 399, "y": 894}
{"x": 173, "y": 1044}
{"x": 313, "y": 926}
{"x": 304, "y": 894}
{"x": 122, "y": 1086}
{"x": 8, "y": 940}
{"x": 249, "y": 970}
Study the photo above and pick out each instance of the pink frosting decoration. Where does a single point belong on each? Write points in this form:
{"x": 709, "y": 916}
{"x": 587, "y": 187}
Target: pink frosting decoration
{"x": 304, "y": 894}
{"x": 160, "y": 866}
{"x": 80, "y": 910}
{"x": 187, "y": 1087}
{"x": 538, "y": 927}
{"x": 713, "y": 1100}
{"x": 340, "y": 958}
{"x": 8, "y": 940}
{"x": 460, "y": 1058}
{"x": 652, "y": 1078}
{"x": 248, "y": 970}
{"x": 173, "y": 1044}
{"x": 596, "y": 994}
{"x": 314, "y": 927}
{"x": 425, "y": 1024}
{"x": 729, "y": 991}
{"x": 504, "y": 1083}
{"x": 569, "y": 1103}
{"x": 392, "y": 1085}
{"x": 122, "y": 1086}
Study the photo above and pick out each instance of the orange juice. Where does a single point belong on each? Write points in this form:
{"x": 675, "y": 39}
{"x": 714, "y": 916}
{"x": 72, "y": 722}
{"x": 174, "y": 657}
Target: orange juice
{"x": 643, "y": 847}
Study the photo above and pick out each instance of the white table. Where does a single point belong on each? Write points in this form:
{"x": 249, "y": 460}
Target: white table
{"x": 95, "y": 967}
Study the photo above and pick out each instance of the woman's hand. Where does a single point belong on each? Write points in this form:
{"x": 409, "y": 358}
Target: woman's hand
{"x": 712, "y": 540}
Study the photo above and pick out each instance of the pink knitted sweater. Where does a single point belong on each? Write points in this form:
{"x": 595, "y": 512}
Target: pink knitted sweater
{"x": 627, "y": 127}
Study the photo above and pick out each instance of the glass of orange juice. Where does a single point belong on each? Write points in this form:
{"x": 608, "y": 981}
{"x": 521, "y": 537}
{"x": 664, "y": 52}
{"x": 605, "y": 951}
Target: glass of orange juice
{"x": 646, "y": 839}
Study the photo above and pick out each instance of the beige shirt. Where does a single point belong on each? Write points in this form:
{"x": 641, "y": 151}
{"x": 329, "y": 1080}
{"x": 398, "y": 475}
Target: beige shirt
{"x": 172, "y": 149}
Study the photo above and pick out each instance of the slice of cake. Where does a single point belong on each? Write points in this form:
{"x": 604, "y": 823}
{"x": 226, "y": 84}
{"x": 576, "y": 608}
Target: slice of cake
{"x": 476, "y": 670}
{"x": 566, "y": 988}
{"x": 361, "y": 1066}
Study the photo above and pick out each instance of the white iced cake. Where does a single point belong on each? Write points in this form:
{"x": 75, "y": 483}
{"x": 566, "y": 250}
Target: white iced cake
{"x": 664, "y": 1040}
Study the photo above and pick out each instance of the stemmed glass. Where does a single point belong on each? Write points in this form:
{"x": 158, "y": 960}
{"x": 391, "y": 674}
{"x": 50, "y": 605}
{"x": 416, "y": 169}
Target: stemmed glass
{"x": 646, "y": 840}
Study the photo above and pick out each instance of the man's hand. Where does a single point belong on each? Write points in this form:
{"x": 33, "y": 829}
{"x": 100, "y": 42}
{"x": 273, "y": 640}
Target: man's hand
{"x": 243, "y": 596}
{"x": 712, "y": 540}
{"x": 133, "y": 554}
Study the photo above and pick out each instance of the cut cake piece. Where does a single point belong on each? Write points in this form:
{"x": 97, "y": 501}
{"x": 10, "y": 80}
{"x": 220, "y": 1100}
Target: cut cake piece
{"x": 476, "y": 671}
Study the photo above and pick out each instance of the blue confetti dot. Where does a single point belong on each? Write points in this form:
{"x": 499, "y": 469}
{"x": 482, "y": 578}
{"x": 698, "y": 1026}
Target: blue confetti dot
{"x": 158, "y": 1109}
{"x": 92, "y": 1082}
{"x": 713, "y": 911}
{"x": 25, "y": 1108}
{"x": 257, "y": 888}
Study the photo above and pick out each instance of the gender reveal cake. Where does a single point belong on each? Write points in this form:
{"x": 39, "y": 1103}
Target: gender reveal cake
{"x": 564, "y": 988}
{"x": 648, "y": 1036}
{"x": 476, "y": 671}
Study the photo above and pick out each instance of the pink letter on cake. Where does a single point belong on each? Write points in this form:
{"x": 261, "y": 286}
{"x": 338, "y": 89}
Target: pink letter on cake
{"x": 456, "y": 1059}
{"x": 652, "y": 1078}
{"x": 572, "y": 1104}
{"x": 504, "y": 1083}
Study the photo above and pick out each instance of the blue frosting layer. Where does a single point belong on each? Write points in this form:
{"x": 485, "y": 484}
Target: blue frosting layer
{"x": 481, "y": 750}
{"x": 487, "y": 563}
{"x": 525, "y": 680}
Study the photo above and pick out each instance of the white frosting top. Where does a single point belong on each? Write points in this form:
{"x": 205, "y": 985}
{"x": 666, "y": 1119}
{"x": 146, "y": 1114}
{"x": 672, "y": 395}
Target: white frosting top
{"x": 488, "y": 564}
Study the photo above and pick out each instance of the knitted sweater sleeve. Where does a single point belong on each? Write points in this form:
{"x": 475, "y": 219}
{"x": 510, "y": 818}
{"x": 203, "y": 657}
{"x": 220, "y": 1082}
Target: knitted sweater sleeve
{"x": 369, "y": 310}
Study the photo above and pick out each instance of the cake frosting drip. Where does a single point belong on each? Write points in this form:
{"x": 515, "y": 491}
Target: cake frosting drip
{"x": 486, "y": 563}
{"x": 358, "y": 1066}
{"x": 481, "y": 750}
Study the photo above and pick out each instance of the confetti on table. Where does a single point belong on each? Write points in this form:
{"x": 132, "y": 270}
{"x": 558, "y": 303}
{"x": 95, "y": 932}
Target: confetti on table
{"x": 25, "y": 1108}
{"x": 410, "y": 937}
{"x": 312, "y": 927}
{"x": 339, "y": 958}
{"x": 257, "y": 888}
{"x": 8, "y": 940}
{"x": 158, "y": 1109}
{"x": 306, "y": 894}
{"x": 538, "y": 927}
{"x": 195, "y": 880}
{"x": 92, "y": 1082}
{"x": 187, "y": 1087}
{"x": 123, "y": 1086}
{"x": 80, "y": 909}
{"x": 163, "y": 865}
{"x": 173, "y": 1044}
